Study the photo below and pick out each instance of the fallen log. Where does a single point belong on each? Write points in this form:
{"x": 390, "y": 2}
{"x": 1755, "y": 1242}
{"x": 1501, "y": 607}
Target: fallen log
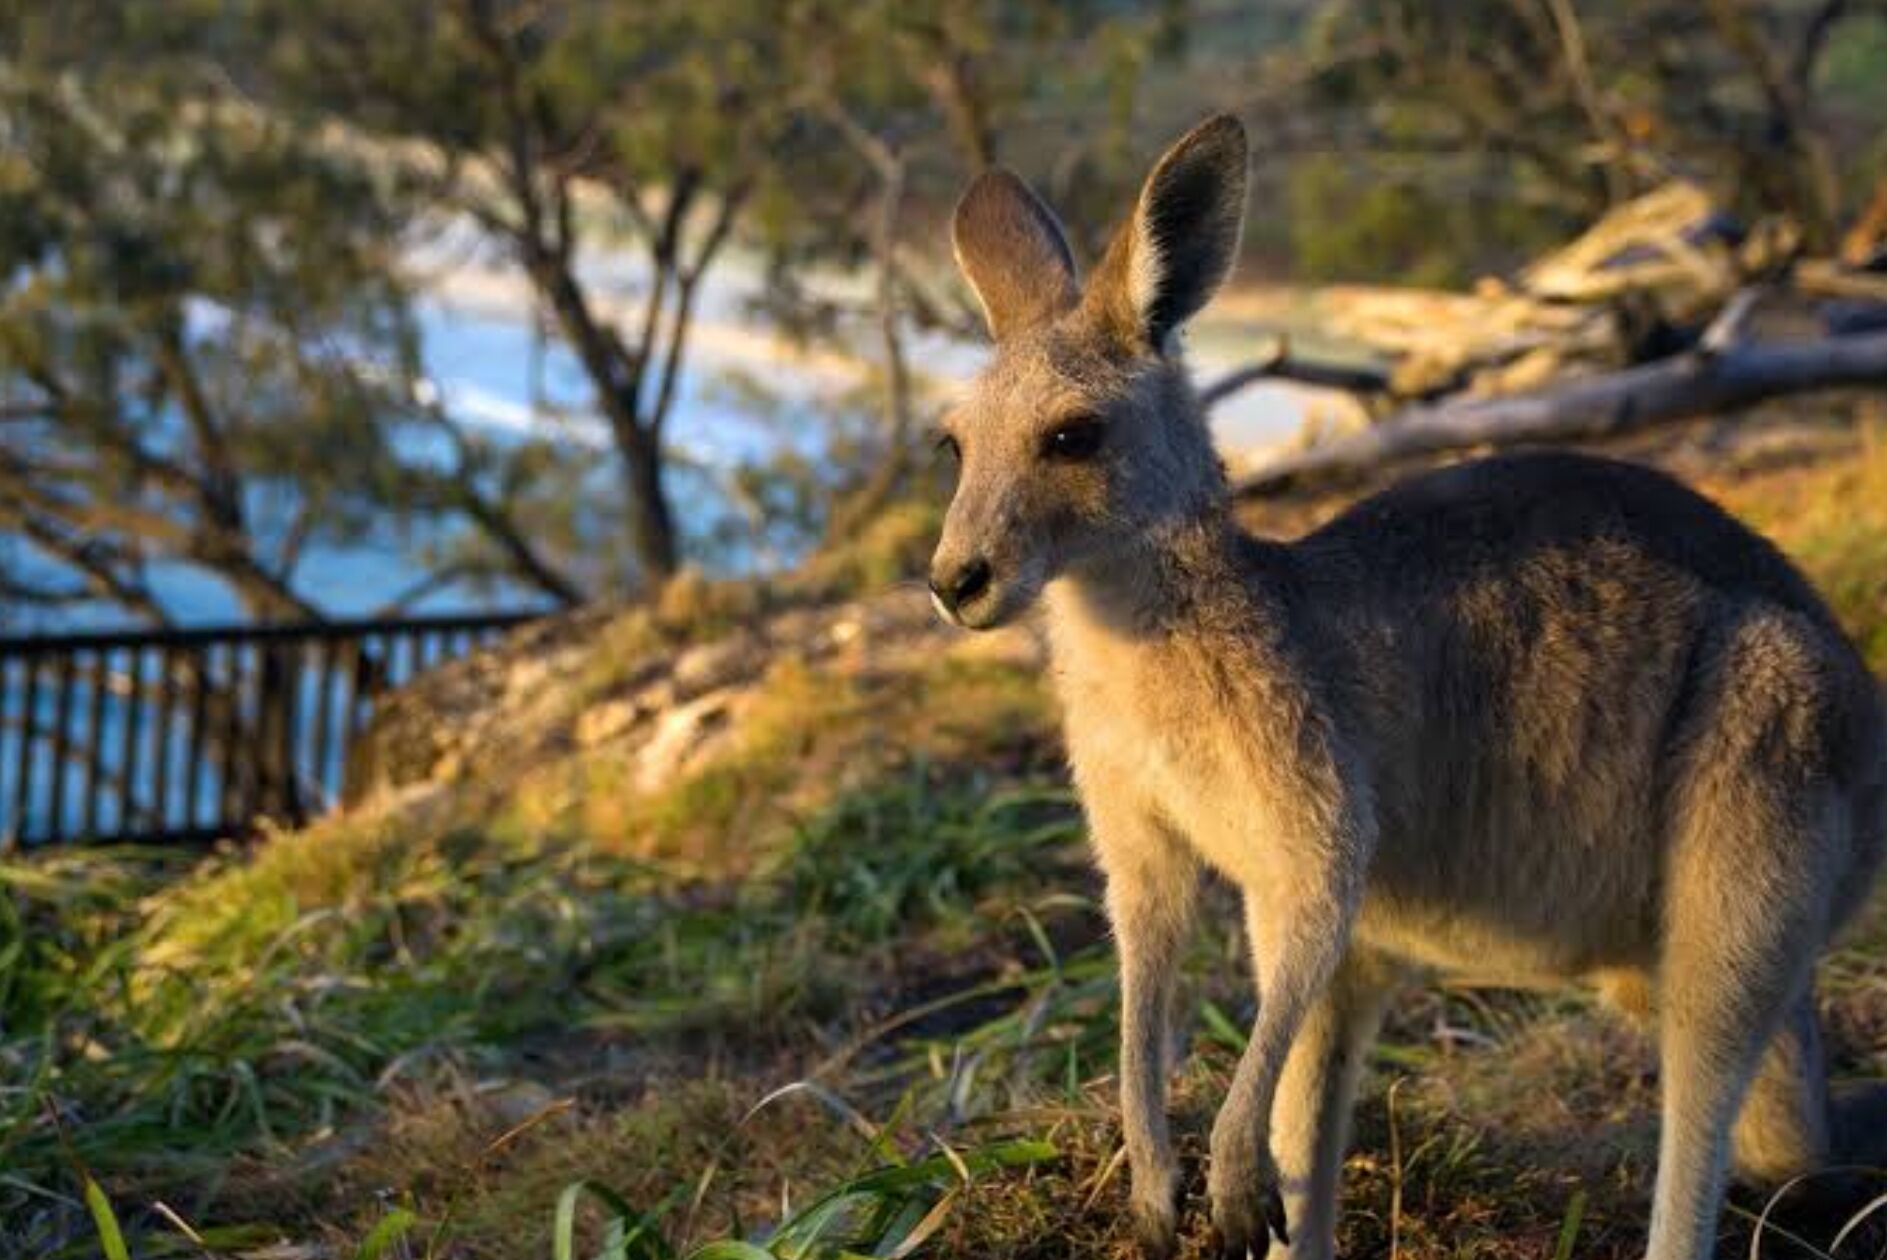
{"x": 1684, "y": 386}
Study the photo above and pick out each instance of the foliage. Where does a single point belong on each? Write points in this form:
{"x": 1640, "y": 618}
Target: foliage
{"x": 663, "y": 131}
{"x": 211, "y": 351}
{"x": 1351, "y": 220}
{"x": 1559, "y": 108}
{"x": 206, "y": 355}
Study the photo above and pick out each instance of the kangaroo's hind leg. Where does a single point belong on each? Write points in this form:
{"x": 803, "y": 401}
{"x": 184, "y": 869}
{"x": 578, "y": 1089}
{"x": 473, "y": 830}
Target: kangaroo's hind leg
{"x": 1795, "y": 1125}
{"x": 1310, "y": 1118}
{"x": 1746, "y": 912}
{"x": 1782, "y": 1130}
{"x": 1726, "y": 990}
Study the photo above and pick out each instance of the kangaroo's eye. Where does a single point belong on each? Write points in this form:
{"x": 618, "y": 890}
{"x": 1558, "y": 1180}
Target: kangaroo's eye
{"x": 947, "y": 446}
{"x": 1074, "y": 440}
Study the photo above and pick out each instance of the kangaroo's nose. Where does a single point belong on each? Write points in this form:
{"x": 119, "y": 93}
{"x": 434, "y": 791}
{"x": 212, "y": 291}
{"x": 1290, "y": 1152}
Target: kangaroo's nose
{"x": 953, "y": 590}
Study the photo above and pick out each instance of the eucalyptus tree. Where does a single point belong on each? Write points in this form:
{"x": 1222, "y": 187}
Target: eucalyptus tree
{"x": 207, "y": 359}
{"x": 563, "y": 130}
{"x": 1547, "y": 111}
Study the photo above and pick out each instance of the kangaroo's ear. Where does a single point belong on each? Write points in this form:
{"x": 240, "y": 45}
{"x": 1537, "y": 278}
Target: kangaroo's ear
{"x": 1172, "y": 255}
{"x": 1013, "y": 253}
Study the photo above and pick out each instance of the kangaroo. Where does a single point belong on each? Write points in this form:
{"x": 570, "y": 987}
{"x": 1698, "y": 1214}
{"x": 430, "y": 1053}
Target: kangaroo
{"x": 1534, "y": 719}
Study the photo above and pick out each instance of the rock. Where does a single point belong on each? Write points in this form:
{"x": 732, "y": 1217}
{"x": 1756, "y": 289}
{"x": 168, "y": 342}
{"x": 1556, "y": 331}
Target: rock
{"x": 679, "y": 735}
{"x": 603, "y": 722}
{"x": 526, "y": 676}
{"x": 712, "y": 665}
{"x": 515, "y": 1102}
{"x": 796, "y": 627}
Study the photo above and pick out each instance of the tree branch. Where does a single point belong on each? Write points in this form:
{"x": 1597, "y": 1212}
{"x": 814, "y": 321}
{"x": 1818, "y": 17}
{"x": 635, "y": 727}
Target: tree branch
{"x": 682, "y": 317}
{"x": 497, "y": 524}
{"x": 1281, "y": 365}
{"x": 1684, "y": 386}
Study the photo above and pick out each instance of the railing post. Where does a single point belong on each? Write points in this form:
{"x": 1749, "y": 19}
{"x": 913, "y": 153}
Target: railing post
{"x": 201, "y": 784}
{"x": 61, "y": 748}
{"x": 160, "y": 738}
{"x": 15, "y": 829}
{"x": 128, "y": 745}
{"x": 29, "y": 739}
{"x": 95, "y": 740}
{"x": 277, "y": 677}
{"x": 235, "y": 772}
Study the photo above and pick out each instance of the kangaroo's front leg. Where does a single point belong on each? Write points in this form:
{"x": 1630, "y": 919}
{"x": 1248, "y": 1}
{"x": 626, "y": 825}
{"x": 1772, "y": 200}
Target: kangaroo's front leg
{"x": 1298, "y": 920}
{"x": 1151, "y": 881}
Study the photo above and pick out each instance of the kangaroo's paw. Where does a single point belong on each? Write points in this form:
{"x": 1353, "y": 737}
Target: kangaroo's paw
{"x": 1156, "y": 1209}
{"x": 1247, "y": 1209}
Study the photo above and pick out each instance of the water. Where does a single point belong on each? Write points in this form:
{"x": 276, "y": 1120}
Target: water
{"x": 491, "y": 372}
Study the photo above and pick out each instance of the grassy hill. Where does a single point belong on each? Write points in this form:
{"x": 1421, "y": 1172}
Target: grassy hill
{"x": 763, "y": 915}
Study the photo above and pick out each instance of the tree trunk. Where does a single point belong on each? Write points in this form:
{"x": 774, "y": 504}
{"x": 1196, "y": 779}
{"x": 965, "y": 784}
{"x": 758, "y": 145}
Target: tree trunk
{"x": 617, "y": 383}
{"x": 651, "y": 521}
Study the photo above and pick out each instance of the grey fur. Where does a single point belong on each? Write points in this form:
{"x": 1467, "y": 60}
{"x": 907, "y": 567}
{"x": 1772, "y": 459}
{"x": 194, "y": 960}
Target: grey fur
{"x": 1533, "y": 720}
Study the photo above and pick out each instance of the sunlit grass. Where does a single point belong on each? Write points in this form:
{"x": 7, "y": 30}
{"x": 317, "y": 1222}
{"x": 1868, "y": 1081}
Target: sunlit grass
{"x": 161, "y": 1029}
{"x": 1831, "y": 517}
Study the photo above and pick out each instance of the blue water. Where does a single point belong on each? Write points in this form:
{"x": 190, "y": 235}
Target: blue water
{"x": 497, "y": 375}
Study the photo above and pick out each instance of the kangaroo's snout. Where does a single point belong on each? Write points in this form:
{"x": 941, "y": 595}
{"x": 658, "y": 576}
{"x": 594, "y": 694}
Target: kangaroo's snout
{"x": 956, "y": 587}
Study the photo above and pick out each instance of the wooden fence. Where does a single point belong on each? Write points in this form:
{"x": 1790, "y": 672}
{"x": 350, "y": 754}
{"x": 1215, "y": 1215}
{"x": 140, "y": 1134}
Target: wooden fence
{"x": 190, "y": 735}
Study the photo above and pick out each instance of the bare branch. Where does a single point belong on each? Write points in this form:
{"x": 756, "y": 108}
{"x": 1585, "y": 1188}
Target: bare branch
{"x": 682, "y": 316}
{"x": 1281, "y": 365}
{"x": 497, "y": 524}
{"x": 1677, "y": 388}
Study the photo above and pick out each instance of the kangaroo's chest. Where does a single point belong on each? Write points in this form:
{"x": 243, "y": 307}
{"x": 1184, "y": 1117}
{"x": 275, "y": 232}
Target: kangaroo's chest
{"x": 1177, "y": 737}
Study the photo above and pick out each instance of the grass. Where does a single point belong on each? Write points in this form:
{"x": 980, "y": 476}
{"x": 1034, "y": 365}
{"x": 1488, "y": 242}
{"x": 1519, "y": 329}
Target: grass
{"x": 1832, "y": 518}
{"x": 167, "y": 1030}
{"x": 841, "y": 988}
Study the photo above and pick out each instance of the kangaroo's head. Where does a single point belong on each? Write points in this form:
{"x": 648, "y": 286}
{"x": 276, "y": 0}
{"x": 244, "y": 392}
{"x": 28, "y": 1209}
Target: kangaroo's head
{"x": 1083, "y": 435}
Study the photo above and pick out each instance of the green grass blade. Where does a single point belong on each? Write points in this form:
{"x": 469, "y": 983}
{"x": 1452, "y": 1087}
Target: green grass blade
{"x": 1220, "y": 1028}
{"x": 631, "y": 1234}
{"x": 392, "y": 1227}
{"x": 563, "y": 1238}
{"x": 1569, "y": 1228}
{"x": 110, "y": 1237}
{"x": 896, "y": 1200}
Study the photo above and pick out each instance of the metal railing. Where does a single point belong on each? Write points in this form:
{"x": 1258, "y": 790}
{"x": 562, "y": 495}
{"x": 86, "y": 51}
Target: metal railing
{"x": 194, "y": 734}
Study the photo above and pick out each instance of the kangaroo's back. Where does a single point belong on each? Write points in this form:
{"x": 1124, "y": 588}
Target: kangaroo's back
{"x": 1442, "y": 531}
{"x": 1538, "y": 649}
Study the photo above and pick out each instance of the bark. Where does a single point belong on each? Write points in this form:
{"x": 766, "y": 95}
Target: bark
{"x": 544, "y": 235}
{"x": 651, "y": 521}
{"x": 611, "y": 375}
